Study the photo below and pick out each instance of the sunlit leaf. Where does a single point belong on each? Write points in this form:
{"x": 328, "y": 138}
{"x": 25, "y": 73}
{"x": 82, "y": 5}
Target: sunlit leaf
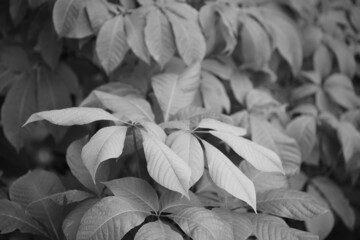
{"x": 157, "y": 230}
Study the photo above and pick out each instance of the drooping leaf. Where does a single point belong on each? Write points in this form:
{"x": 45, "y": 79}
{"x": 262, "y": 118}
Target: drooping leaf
{"x": 111, "y": 44}
{"x": 349, "y": 138}
{"x": 263, "y": 181}
{"x": 65, "y": 14}
{"x": 228, "y": 177}
{"x": 159, "y": 38}
{"x": 13, "y": 216}
{"x": 72, "y": 221}
{"x": 164, "y": 166}
{"x": 190, "y": 42}
{"x": 202, "y": 224}
{"x": 323, "y": 61}
{"x": 259, "y": 156}
{"x": 137, "y": 190}
{"x": 175, "y": 92}
{"x": 241, "y": 226}
{"x": 290, "y": 204}
{"x": 107, "y": 143}
{"x": 32, "y": 187}
{"x": 240, "y": 85}
{"x": 20, "y": 103}
{"x": 270, "y": 137}
{"x": 171, "y": 202}
{"x": 72, "y": 116}
{"x": 157, "y": 231}
{"x": 216, "y": 125}
{"x": 111, "y": 218}
{"x": 188, "y": 148}
{"x": 213, "y": 93}
{"x": 337, "y": 200}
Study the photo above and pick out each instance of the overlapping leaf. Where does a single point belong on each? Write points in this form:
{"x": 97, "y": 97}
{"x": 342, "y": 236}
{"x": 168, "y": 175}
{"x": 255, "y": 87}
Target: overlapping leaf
{"x": 157, "y": 230}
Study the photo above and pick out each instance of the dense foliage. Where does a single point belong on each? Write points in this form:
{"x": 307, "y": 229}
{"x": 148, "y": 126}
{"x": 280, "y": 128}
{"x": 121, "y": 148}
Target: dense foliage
{"x": 174, "y": 119}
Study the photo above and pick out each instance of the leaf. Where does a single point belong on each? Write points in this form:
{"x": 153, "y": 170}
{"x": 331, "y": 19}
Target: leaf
{"x": 228, "y": 177}
{"x": 111, "y": 44}
{"x": 188, "y": 148}
{"x": 321, "y": 225}
{"x": 349, "y": 138}
{"x": 32, "y": 187}
{"x": 263, "y": 181}
{"x": 164, "y": 166}
{"x": 190, "y": 42}
{"x": 72, "y": 116}
{"x": 255, "y": 42}
{"x": 50, "y": 45}
{"x": 14, "y": 58}
{"x": 13, "y": 216}
{"x": 107, "y": 143}
{"x": 126, "y": 108}
{"x": 172, "y": 202}
{"x": 65, "y": 15}
{"x": 240, "y": 84}
{"x": 72, "y": 221}
{"x": 256, "y": 98}
{"x": 286, "y": 37}
{"x": 270, "y": 137}
{"x": 110, "y": 218}
{"x": 345, "y": 58}
{"x": 304, "y": 91}
{"x": 213, "y": 93}
{"x": 303, "y": 130}
{"x": 159, "y": 38}
{"x": 340, "y": 89}
{"x": 134, "y": 26}
{"x": 62, "y": 198}
{"x": 202, "y": 224}
{"x": 290, "y": 204}
{"x": 175, "y": 92}
{"x": 337, "y": 200}
{"x": 20, "y": 103}
{"x": 77, "y": 166}
{"x": 154, "y": 130}
{"x": 323, "y": 61}
{"x": 260, "y": 157}
{"x": 98, "y": 14}
{"x": 136, "y": 190}
{"x": 216, "y": 125}
{"x": 241, "y": 226}
{"x": 157, "y": 231}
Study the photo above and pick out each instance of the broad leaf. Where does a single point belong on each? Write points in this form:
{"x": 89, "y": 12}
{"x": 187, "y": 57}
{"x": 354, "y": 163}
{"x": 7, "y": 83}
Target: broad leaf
{"x": 228, "y": 177}
{"x": 175, "y": 92}
{"x": 349, "y": 138}
{"x": 72, "y": 221}
{"x": 216, "y": 125}
{"x": 202, "y": 224}
{"x": 72, "y": 116}
{"x": 336, "y": 200}
{"x": 65, "y": 14}
{"x": 111, "y": 218}
{"x": 190, "y": 42}
{"x": 241, "y": 226}
{"x": 159, "y": 38}
{"x": 13, "y": 216}
{"x": 111, "y": 44}
{"x": 259, "y": 156}
{"x": 157, "y": 231}
{"x": 98, "y": 14}
{"x": 323, "y": 61}
{"x": 32, "y": 187}
{"x": 137, "y": 190}
{"x": 171, "y": 202}
{"x": 154, "y": 130}
{"x": 188, "y": 148}
{"x": 164, "y": 166}
{"x": 107, "y": 143}
{"x": 290, "y": 204}
{"x": 240, "y": 84}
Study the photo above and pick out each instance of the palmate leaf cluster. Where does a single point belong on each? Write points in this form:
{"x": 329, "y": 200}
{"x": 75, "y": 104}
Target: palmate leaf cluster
{"x": 212, "y": 116}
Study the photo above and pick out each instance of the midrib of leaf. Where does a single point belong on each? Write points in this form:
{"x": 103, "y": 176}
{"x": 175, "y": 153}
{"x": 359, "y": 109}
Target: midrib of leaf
{"x": 196, "y": 223}
{"x": 167, "y": 113}
{"x": 142, "y": 110}
{"x": 67, "y": 12}
{"x": 50, "y": 220}
{"x": 25, "y": 223}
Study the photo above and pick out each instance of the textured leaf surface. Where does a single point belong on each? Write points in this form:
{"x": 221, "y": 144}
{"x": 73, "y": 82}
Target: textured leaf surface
{"x": 157, "y": 231}
{"x": 171, "y": 201}
{"x": 227, "y": 176}
{"x": 290, "y": 204}
{"x": 72, "y": 116}
{"x": 111, "y": 44}
{"x": 137, "y": 190}
{"x": 216, "y": 125}
{"x": 110, "y": 218}
{"x": 188, "y": 148}
{"x": 13, "y": 216}
{"x": 349, "y": 138}
{"x": 65, "y": 14}
{"x": 202, "y": 224}
{"x": 107, "y": 143}
{"x": 259, "y": 156}
{"x": 164, "y": 166}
